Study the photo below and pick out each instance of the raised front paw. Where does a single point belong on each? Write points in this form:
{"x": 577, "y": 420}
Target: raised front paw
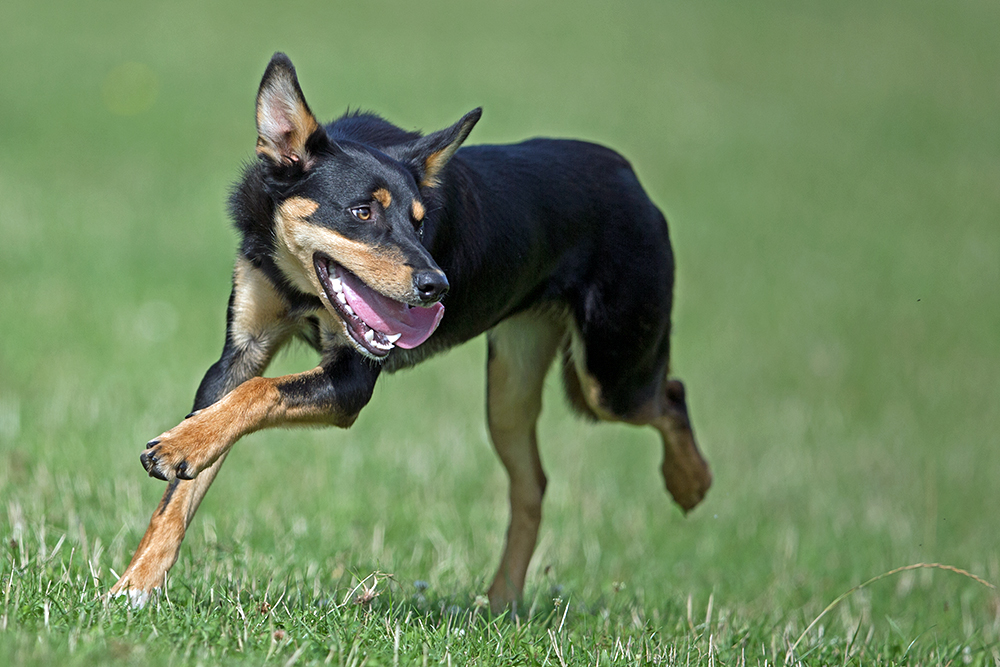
{"x": 162, "y": 463}
{"x": 182, "y": 452}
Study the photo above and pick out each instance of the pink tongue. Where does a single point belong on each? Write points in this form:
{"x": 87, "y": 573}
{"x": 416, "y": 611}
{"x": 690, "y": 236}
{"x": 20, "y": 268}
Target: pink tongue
{"x": 389, "y": 316}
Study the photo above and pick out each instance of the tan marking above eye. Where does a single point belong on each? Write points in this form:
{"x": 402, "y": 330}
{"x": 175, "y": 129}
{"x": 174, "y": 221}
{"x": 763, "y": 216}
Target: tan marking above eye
{"x": 418, "y": 211}
{"x": 383, "y": 196}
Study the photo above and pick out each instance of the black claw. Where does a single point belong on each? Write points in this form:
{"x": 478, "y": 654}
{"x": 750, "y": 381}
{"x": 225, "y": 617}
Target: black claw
{"x": 149, "y": 463}
{"x": 152, "y": 443}
{"x": 190, "y": 414}
{"x": 182, "y": 471}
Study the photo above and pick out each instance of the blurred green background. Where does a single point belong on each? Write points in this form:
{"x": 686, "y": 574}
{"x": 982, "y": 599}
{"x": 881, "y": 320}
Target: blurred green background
{"x": 831, "y": 173}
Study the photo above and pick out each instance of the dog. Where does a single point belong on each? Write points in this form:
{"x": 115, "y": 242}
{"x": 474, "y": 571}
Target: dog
{"x": 381, "y": 247}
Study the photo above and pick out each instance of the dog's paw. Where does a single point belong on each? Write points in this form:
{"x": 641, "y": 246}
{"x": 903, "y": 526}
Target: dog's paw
{"x": 685, "y": 470}
{"x": 687, "y": 480}
{"x": 137, "y": 596}
{"x": 162, "y": 463}
{"x": 137, "y": 599}
{"x": 181, "y": 453}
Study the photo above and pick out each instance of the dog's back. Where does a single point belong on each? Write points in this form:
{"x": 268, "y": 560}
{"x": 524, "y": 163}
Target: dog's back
{"x": 547, "y": 222}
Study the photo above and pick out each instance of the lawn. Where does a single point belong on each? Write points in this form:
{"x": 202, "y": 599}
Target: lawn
{"x": 831, "y": 173}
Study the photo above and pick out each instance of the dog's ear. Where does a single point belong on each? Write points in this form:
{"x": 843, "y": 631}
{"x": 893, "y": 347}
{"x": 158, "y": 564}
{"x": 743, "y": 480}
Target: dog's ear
{"x": 428, "y": 155}
{"x": 284, "y": 122}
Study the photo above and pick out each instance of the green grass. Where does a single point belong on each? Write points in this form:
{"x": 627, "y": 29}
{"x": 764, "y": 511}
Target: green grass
{"x": 831, "y": 175}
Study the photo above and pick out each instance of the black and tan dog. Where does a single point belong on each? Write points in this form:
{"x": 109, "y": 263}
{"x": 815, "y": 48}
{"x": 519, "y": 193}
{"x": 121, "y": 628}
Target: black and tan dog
{"x": 381, "y": 247}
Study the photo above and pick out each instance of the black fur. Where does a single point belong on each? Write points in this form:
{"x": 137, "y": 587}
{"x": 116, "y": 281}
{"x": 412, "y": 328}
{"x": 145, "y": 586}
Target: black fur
{"x": 513, "y": 227}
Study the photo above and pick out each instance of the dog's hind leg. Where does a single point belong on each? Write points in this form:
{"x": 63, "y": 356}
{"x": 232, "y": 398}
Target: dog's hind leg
{"x": 521, "y": 350}
{"x": 647, "y": 398}
{"x": 685, "y": 471}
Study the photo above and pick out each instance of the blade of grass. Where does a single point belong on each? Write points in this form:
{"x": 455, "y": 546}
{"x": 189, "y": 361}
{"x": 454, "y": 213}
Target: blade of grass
{"x": 840, "y": 598}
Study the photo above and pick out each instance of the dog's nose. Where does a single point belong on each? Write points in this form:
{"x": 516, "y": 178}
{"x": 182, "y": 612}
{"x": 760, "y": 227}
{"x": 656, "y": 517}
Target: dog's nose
{"x": 430, "y": 285}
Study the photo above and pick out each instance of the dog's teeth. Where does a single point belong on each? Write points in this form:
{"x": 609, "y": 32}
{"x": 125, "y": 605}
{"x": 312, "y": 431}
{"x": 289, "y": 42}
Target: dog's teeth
{"x": 337, "y": 284}
{"x": 341, "y": 298}
{"x": 348, "y": 309}
{"x": 393, "y": 338}
{"x": 370, "y": 335}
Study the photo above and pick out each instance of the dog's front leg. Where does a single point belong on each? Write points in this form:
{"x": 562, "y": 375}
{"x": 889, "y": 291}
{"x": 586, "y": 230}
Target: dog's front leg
{"x": 257, "y": 325}
{"x": 161, "y": 543}
{"x": 332, "y": 394}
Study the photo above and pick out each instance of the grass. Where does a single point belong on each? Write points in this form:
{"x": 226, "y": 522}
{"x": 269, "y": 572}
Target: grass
{"x": 830, "y": 172}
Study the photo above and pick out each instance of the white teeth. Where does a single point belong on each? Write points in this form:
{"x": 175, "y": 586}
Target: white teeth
{"x": 348, "y": 309}
{"x": 380, "y": 341}
{"x": 393, "y": 338}
{"x": 341, "y": 298}
{"x": 337, "y": 284}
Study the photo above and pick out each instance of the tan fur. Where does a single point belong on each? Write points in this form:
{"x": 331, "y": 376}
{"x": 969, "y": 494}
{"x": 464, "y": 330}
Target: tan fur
{"x": 521, "y": 351}
{"x": 433, "y": 165}
{"x": 299, "y": 207}
{"x": 260, "y": 325}
{"x": 260, "y": 317}
{"x": 437, "y": 160}
{"x": 418, "y": 210}
{"x": 282, "y": 115}
{"x": 383, "y": 196}
{"x": 290, "y": 256}
{"x": 202, "y": 443}
{"x": 685, "y": 471}
{"x": 256, "y": 404}
{"x": 298, "y": 240}
{"x": 590, "y": 388}
{"x": 157, "y": 551}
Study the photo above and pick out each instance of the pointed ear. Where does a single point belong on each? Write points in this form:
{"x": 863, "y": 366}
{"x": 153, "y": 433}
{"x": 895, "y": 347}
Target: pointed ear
{"x": 284, "y": 121}
{"x": 430, "y": 154}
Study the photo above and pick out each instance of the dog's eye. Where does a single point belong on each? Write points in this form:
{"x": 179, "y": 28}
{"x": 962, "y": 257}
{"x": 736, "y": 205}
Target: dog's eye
{"x": 362, "y": 213}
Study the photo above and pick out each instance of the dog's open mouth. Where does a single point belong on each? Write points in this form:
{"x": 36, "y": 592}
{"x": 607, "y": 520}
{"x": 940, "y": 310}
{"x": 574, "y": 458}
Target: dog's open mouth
{"x": 375, "y": 322}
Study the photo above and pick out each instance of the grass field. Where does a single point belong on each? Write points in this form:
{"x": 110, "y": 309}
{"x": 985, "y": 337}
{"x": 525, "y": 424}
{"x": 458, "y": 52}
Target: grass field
{"x": 831, "y": 172}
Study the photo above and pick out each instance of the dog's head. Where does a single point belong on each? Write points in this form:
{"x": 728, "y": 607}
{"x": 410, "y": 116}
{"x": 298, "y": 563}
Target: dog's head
{"x": 348, "y": 217}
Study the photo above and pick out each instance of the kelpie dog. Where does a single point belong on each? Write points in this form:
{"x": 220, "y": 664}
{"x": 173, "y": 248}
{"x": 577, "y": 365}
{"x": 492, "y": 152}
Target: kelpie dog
{"x": 381, "y": 247}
